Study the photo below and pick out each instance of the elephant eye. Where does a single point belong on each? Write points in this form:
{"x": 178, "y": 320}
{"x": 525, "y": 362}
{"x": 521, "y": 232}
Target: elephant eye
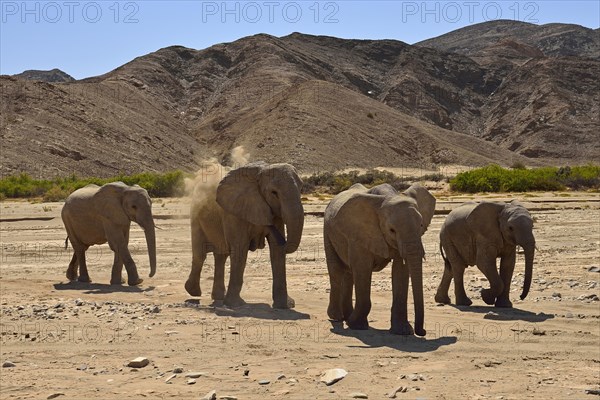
{"x": 274, "y": 193}
{"x": 134, "y": 207}
{"x": 510, "y": 228}
{"x": 392, "y": 230}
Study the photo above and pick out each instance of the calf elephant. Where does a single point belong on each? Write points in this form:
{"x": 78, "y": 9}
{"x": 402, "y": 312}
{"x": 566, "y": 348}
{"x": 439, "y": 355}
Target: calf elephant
{"x": 478, "y": 234}
{"x": 96, "y": 215}
{"x": 251, "y": 203}
{"x": 363, "y": 231}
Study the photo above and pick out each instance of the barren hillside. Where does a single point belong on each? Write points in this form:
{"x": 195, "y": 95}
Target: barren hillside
{"x": 319, "y": 102}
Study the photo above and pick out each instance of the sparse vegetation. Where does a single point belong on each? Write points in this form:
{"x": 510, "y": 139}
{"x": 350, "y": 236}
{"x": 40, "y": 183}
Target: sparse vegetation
{"x": 494, "y": 178}
{"x": 24, "y": 186}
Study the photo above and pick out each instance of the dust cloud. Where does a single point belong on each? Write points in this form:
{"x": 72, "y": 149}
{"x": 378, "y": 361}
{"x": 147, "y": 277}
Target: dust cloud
{"x": 202, "y": 188}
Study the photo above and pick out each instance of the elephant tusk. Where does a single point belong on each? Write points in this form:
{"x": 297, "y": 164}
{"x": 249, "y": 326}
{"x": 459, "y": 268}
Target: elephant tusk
{"x": 278, "y": 237}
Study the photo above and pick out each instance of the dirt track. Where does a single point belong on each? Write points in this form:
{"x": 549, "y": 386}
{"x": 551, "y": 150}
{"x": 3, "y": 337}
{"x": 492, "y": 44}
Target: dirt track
{"x": 75, "y": 339}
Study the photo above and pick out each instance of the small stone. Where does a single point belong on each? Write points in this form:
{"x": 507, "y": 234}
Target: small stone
{"x": 491, "y": 315}
{"x": 8, "y": 364}
{"x": 139, "y": 362}
{"x": 55, "y": 395}
{"x": 538, "y": 332}
{"x": 556, "y": 294}
{"x": 392, "y": 394}
{"x": 246, "y": 372}
{"x": 79, "y": 302}
{"x": 195, "y": 375}
{"x": 171, "y": 332}
{"x": 155, "y": 309}
{"x": 191, "y": 381}
{"x": 212, "y": 395}
{"x": 358, "y": 395}
{"x": 170, "y": 378}
{"x": 279, "y": 394}
{"x": 177, "y": 370}
{"x": 264, "y": 382}
{"x": 592, "y": 391}
{"x": 227, "y": 397}
{"x": 280, "y": 377}
{"x": 594, "y": 268}
{"x": 82, "y": 367}
{"x": 332, "y": 376}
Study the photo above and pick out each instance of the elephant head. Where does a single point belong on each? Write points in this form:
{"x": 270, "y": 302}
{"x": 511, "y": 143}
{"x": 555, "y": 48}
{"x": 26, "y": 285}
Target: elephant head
{"x": 387, "y": 226}
{"x": 261, "y": 193}
{"x": 119, "y": 204}
{"x": 506, "y": 224}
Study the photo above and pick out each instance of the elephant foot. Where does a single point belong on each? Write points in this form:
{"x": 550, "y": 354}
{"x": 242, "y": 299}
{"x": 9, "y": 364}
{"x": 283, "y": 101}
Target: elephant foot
{"x": 442, "y": 298}
{"x": 193, "y": 288}
{"x": 463, "y": 301}
{"x": 402, "y": 328}
{"x": 135, "y": 282}
{"x": 71, "y": 276}
{"x": 118, "y": 281}
{"x": 84, "y": 279}
{"x": 284, "y": 304}
{"x": 234, "y": 301}
{"x": 503, "y": 303}
{"x": 334, "y": 313}
{"x": 488, "y": 296}
{"x": 420, "y": 332}
{"x": 358, "y": 323}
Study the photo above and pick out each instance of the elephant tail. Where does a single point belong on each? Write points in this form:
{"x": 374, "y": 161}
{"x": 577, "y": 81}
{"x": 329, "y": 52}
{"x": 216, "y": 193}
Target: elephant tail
{"x": 447, "y": 265}
{"x": 66, "y": 242}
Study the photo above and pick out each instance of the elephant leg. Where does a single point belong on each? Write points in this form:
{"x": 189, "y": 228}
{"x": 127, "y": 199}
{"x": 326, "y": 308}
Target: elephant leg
{"x": 199, "y": 251}
{"x": 507, "y": 267}
{"x": 117, "y": 241}
{"x": 441, "y": 296}
{"x": 488, "y": 267}
{"x": 72, "y": 268}
{"x": 458, "y": 271}
{"x": 347, "y": 289}
{"x": 239, "y": 256}
{"x": 218, "y": 290}
{"x": 361, "y": 274}
{"x": 83, "y": 272}
{"x": 337, "y": 273}
{"x": 277, "y": 252}
{"x": 400, "y": 275}
{"x": 116, "y": 277}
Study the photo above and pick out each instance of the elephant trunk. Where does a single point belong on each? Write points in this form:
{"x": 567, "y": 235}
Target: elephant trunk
{"x": 529, "y": 250}
{"x": 415, "y": 270}
{"x": 293, "y": 218}
{"x": 148, "y": 226}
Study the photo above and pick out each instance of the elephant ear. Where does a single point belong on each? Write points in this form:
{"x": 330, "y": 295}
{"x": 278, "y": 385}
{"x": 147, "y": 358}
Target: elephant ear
{"x": 358, "y": 221}
{"x": 484, "y": 222}
{"x": 425, "y": 203}
{"x": 108, "y": 202}
{"x": 239, "y": 194}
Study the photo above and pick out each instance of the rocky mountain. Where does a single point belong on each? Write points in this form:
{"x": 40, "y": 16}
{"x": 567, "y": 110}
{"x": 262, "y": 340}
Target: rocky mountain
{"x": 53, "y": 76}
{"x": 319, "y": 102}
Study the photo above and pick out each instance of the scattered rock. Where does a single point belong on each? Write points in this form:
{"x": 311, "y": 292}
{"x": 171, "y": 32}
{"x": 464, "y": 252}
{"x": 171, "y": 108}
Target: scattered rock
{"x": 358, "y": 395}
{"x": 55, "y": 395}
{"x": 170, "y": 378}
{"x": 195, "y": 375}
{"x": 82, "y": 367}
{"x": 155, "y": 309}
{"x": 139, "y": 362}
{"x": 538, "y": 332}
{"x": 227, "y": 397}
{"x": 212, "y": 395}
{"x": 246, "y": 372}
{"x": 79, "y": 302}
{"x": 8, "y": 364}
{"x": 592, "y": 391}
{"x": 279, "y": 394}
{"x": 332, "y": 376}
{"x": 264, "y": 382}
{"x": 556, "y": 294}
{"x": 191, "y": 381}
{"x": 491, "y": 315}
{"x": 594, "y": 268}
{"x": 177, "y": 370}
{"x": 399, "y": 389}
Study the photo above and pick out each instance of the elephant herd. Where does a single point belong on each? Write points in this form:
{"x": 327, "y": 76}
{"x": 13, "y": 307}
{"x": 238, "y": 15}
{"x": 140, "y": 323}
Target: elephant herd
{"x": 364, "y": 229}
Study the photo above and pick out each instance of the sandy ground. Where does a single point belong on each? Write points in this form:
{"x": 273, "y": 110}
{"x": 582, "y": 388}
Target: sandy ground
{"x": 74, "y": 340}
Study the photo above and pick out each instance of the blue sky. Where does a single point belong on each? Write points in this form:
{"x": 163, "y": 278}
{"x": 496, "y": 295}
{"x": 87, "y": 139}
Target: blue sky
{"x": 87, "y": 38}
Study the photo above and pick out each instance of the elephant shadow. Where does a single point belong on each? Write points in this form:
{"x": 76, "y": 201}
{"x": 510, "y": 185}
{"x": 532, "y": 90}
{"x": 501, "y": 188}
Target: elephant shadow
{"x": 252, "y": 310}
{"x": 505, "y": 314}
{"x": 373, "y": 338}
{"x": 101, "y": 288}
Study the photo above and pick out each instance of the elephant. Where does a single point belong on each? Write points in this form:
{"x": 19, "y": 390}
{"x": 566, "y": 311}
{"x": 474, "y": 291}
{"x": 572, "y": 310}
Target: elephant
{"x": 478, "y": 234}
{"x": 99, "y": 214}
{"x": 250, "y": 203}
{"x": 365, "y": 229}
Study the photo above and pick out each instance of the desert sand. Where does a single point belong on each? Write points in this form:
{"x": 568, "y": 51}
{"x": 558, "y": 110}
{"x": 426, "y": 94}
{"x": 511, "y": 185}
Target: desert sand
{"x": 74, "y": 341}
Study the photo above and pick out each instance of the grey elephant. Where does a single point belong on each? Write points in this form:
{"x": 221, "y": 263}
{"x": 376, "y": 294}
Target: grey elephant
{"x": 478, "y": 234}
{"x": 363, "y": 231}
{"x": 251, "y": 203}
{"x": 96, "y": 215}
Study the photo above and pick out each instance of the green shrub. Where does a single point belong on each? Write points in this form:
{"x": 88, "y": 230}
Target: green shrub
{"x": 494, "y": 178}
{"x": 55, "y": 193}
